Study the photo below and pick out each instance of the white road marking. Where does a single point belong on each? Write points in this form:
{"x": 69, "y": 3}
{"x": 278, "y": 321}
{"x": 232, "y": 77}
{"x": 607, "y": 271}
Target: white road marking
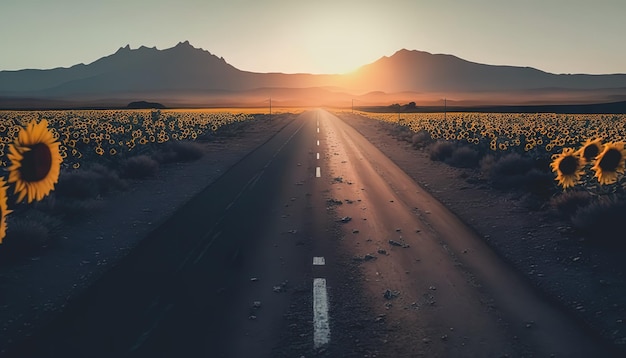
{"x": 318, "y": 129}
{"x": 321, "y": 326}
{"x": 319, "y": 261}
{"x": 318, "y": 172}
{"x": 318, "y": 155}
{"x": 318, "y": 142}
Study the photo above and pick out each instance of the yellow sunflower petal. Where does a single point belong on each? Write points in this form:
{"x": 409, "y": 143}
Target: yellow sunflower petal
{"x": 610, "y": 163}
{"x": 35, "y": 162}
{"x": 4, "y": 211}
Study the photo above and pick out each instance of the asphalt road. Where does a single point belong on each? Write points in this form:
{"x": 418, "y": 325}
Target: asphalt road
{"x": 315, "y": 244}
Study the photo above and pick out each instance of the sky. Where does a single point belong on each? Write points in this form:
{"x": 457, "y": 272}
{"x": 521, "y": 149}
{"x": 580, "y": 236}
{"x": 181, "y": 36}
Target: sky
{"x": 320, "y": 36}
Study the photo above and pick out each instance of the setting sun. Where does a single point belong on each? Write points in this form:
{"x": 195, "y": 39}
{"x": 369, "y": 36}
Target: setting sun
{"x": 336, "y": 43}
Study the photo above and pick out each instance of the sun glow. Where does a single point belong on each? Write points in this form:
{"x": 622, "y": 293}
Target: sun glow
{"x": 333, "y": 40}
{"x": 333, "y": 52}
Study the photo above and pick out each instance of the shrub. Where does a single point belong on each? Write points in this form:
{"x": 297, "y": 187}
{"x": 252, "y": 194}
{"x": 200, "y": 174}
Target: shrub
{"x": 108, "y": 179}
{"x": 441, "y": 150}
{"x": 539, "y": 182}
{"x": 401, "y": 132}
{"x": 88, "y": 183}
{"x": 464, "y": 157}
{"x": 139, "y": 167}
{"x": 29, "y": 232}
{"x": 602, "y": 220}
{"x": 511, "y": 164}
{"x": 486, "y": 163}
{"x": 567, "y": 204}
{"x": 509, "y": 172}
{"x": 188, "y": 151}
{"x": 179, "y": 151}
{"x": 421, "y": 139}
{"x": 78, "y": 184}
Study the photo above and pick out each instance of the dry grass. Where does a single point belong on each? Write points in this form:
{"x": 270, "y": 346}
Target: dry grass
{"x": 180, "y": 151}
{"x": 139, "y": 167}
{"x": 602, "y": 220}
{"x": 29, "y": 233}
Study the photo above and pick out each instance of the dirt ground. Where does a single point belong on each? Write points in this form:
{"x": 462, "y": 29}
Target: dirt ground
{"x": 588, "y": 280}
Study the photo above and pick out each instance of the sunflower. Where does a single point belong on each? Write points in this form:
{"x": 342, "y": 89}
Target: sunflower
{"x": 610, "y": 162}
{"x": 4, "y": 211}
{"x": 568, "y": 167}
{"x": 35, "y": 160}
{"x": 590, "y": 149}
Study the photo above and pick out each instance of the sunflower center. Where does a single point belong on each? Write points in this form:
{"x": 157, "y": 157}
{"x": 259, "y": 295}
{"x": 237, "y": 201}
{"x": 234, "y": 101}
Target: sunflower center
{"x": 568, "y": 165}
{"x": 610, "y": 160}
{"x": 590, "y": 152}
{"x": 37, "y": 163}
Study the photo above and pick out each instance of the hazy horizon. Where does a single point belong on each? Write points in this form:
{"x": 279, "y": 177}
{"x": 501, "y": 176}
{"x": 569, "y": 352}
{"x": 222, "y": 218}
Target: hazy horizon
{"x": 324, "y": 37}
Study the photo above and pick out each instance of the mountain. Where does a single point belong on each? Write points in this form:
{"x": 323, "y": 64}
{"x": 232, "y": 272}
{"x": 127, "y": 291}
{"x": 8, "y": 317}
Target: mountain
{"x": 180, "y": 68}
{"x": 421, "y": 71}
{"x": 187, "y": 76}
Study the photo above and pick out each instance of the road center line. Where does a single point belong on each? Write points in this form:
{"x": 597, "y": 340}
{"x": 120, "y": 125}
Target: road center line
{"x": 319, "y": 261}
{"x": 318, "y": 142}
{"x": 321, "y": 327}
{"x": 318, "y": 172}
{"x": 318, "y": 129}
{"x": 318, "y": 155}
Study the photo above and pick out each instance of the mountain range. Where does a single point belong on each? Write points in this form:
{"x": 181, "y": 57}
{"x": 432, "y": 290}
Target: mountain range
{"x": 187, "y": 76}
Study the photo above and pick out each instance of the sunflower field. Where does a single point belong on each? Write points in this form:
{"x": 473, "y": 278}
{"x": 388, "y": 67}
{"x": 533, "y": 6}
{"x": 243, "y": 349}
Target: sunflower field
{"x": 572, "y": 162}
{"x": 593, "y": 139}
{"x": 36, "y": 146}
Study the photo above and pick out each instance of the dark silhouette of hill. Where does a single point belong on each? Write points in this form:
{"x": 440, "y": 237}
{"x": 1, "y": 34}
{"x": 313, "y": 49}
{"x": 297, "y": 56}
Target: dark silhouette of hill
{"x": 144, "y": 105}
{"x": 180, "y": 68}
{"x": 421, "y": 71}
{"x": 187, "y": 76}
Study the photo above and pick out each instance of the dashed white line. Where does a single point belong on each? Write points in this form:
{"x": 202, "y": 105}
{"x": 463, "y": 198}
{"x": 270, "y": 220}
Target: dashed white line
{"x": 321, "y": 326}
{"x": 318, "y": 142}
{"x": 318, "y": 155}
{"x": 318, "y": 172}
{"x": 318, "y": 129}
{"x": 319, "y": 261}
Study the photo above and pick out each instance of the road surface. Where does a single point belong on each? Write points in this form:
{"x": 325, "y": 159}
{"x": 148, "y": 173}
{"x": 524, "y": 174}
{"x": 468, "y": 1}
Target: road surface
{"x": 315, "y": 244}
